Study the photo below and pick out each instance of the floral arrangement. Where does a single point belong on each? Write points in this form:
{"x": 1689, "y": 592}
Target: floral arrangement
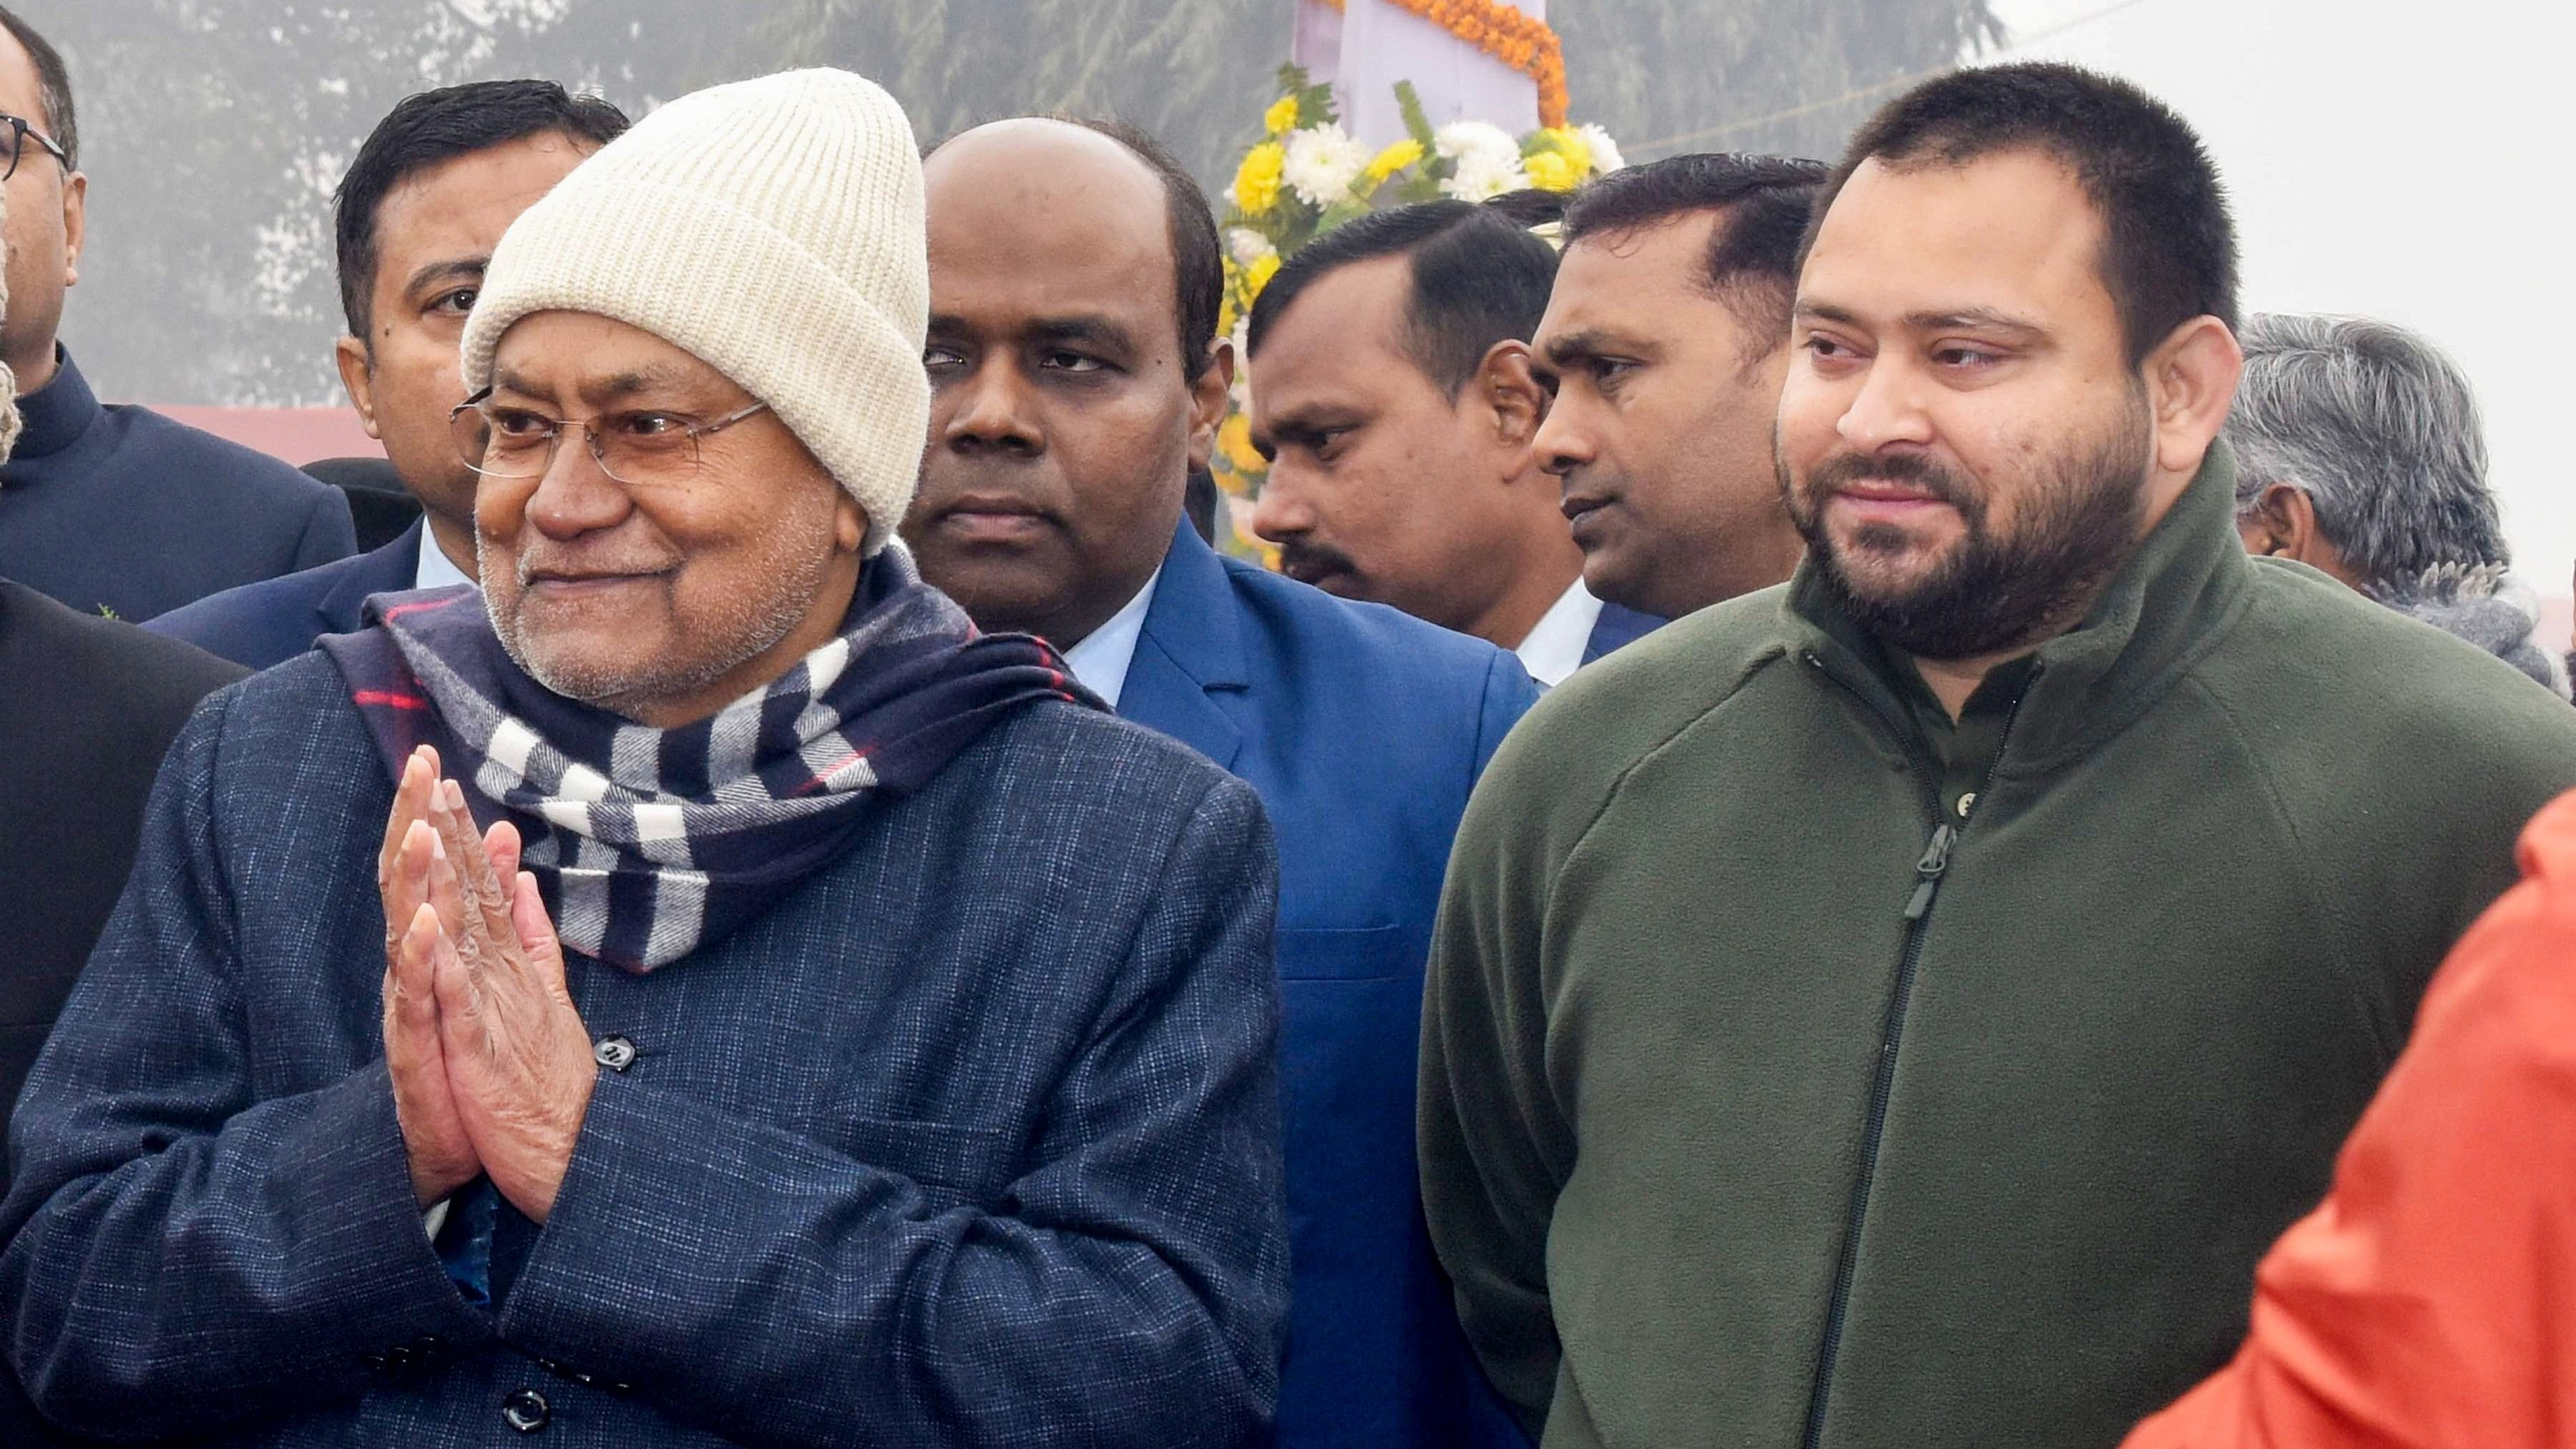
{"x": 1307, "y": 175}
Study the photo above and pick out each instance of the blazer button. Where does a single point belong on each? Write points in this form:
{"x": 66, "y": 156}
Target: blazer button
{"x": 614, "y": 1052}
{"x": 526, "y": 1411}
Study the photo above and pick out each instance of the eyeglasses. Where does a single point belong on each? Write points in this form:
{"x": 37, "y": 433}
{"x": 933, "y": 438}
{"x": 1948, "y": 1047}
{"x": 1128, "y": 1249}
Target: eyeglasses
{"x": 644, "y": 446}
{"x": 21, "y": 130}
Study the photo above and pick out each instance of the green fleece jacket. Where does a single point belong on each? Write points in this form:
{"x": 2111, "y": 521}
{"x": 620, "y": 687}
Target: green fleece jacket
{"x": 1769, "y": 1100}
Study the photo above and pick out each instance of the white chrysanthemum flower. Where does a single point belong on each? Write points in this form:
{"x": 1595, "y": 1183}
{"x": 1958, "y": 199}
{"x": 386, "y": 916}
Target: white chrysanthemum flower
{"x": 1484, "y": 175}
{"x": 1247, "y": 245}
{"x": 1460, "y": 140}
{"x": 1605, "y": 152}
{"x": 1322, "y": 162}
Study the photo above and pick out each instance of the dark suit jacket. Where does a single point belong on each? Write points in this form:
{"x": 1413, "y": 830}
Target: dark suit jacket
{"x": 971, "y": 1138}
{"x": 1363, "y": 729}
{"x": 1617, "y": 627}
{"x": 267, "y": 623}
{"x": 121, "y": 510}
{"x": 87, "y": 708}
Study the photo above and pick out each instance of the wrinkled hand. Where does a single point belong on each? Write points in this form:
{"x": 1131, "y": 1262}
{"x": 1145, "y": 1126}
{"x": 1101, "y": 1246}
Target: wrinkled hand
{"x": 518, "y": 1059}
{"x": 442, "y": 1156}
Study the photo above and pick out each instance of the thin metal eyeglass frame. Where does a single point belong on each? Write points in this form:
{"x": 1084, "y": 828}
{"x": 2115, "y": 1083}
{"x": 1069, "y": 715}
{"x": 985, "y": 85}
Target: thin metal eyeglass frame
{"x": 554, "y": 437}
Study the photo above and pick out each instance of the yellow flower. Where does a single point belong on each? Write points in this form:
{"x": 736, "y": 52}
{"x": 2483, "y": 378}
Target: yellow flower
{"x": 1552, "y": 171}
{"x": 1258, "y": 275}
{"x": 1256, "y": 182}
{"x": 1281, "y": 118}
{"x": 1569, "y": 143}
{"x": 1234, "y": 439}
{"x": 1393, "y": 159}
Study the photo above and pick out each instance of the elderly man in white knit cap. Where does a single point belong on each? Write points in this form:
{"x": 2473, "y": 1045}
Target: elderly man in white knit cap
{"x": 699, "y": 991}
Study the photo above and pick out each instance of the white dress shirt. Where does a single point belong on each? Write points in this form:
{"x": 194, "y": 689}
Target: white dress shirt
{"x": 1100, "y": 661}
{"x": 436, "y": 570}
{"x": 1554, "y": 648}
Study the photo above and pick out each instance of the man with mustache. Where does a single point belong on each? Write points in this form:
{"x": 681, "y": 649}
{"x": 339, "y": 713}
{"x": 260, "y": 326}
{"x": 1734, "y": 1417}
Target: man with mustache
{"x": 1394, "y": 396}
{"x": 877, "y": 1044}
{"x": 1076, "y": 382}
{"x": 1900, "y": 1007}
{"x": 1665, "y": 340}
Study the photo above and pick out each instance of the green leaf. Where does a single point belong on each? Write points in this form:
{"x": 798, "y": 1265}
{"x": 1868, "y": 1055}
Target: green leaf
{"x": 1417, "y": 122}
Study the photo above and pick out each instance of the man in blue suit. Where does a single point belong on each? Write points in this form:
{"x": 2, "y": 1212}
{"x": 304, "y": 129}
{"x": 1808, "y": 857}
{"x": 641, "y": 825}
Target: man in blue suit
{"x": 1067, "y": 412}
{"x": 431, "y": 191}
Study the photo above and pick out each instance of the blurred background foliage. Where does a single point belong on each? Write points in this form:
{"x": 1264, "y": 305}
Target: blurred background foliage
{"x": 213, "y": 131}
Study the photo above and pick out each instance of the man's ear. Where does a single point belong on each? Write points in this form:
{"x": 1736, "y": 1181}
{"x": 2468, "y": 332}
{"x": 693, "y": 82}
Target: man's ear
{"x": 849, "y": 521}
{"x": 2191, "y": 382}
{"x": 2279, "y": 523}
{"x": 2282, "y": 523}
{"x": 75, "y": 224}
{"x": 1506, "y": 387}
{"x": 1208, "y": 398}
{"x": 358, "y": 375}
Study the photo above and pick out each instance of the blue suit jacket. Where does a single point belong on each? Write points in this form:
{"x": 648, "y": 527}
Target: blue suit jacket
{"x": 971, "y": 1138}
{"x": 269, "y": 622}
{"x": 120, "y": 510}
{"x": 1618, "y": 627}
{"x": 1363, "y": 730}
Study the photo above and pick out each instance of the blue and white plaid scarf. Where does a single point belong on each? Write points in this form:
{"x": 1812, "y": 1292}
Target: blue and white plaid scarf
{"x": 650, "y": 843}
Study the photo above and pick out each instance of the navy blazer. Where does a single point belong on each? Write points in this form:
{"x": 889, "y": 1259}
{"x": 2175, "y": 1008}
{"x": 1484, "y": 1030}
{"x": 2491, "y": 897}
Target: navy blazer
{"x": 267, "y": 623}
{"x": 1363, "y": 729}
{"x": 972, "y": 1138}
{"x": 119, "y": 510}
{"x": 1616, "y": 628}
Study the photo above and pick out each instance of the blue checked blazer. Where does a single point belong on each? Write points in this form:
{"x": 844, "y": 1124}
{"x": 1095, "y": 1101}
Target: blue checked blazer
{"x": 972, "y": 1138}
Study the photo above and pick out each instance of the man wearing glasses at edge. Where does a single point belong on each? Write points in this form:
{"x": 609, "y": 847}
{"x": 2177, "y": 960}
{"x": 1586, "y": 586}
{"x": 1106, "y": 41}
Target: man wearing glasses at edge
{"x": 116, "y": 510}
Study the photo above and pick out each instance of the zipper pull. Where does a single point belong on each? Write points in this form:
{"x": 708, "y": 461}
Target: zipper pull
{"x": 1928, "y": 870}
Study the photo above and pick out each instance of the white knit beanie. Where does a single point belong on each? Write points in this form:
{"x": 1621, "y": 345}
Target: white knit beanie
{"x": 773, "y": 228}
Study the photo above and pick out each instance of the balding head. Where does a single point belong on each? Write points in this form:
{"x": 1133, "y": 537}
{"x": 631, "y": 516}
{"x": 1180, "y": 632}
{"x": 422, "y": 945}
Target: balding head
{"x": 1198, "y": 276}
{"x": 1068, "y": 406}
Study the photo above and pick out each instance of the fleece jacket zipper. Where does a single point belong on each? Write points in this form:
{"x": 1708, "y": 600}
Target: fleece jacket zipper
{"x": 1929, "y": 870}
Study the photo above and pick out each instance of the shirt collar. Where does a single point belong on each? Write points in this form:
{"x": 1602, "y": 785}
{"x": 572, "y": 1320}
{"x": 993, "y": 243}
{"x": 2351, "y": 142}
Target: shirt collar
{"x": 1100, "y": 661}
{"x": 1554, "y": 646}
{"x": 57, "y": 414}
{"x": 436, "y": 569}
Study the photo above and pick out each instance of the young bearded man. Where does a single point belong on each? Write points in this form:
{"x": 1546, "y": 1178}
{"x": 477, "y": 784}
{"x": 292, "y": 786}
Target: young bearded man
{"x": 1666, "y": 336}
{"x": 425, "y": 202}
{"x": 1900, "y": 1009}
{"x": 1076, "y": 383}
{"x": 877, "y": 1043}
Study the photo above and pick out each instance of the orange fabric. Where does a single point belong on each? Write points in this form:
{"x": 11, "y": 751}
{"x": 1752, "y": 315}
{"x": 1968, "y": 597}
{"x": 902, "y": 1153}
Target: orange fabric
{"x": 2432, "y": 1299}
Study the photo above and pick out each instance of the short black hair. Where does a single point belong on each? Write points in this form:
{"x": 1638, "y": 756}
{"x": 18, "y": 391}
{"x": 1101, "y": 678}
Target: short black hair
{"x": 438, "y": 126}
{"x": 2169, "y": 248}
{"x": 1752, "y": 261}
{"x": 1529, "y": 206}
{"x": 1479, "y": 278}
{"x": 53, "y": 86}
{"x": 1198, "y": 261}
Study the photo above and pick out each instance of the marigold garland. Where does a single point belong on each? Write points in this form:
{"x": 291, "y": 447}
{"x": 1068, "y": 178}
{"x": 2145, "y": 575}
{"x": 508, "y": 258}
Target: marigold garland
{"x": 1523, "y": 42}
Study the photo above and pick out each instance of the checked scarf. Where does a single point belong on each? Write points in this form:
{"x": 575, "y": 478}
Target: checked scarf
{"x": 650, "y": 843}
